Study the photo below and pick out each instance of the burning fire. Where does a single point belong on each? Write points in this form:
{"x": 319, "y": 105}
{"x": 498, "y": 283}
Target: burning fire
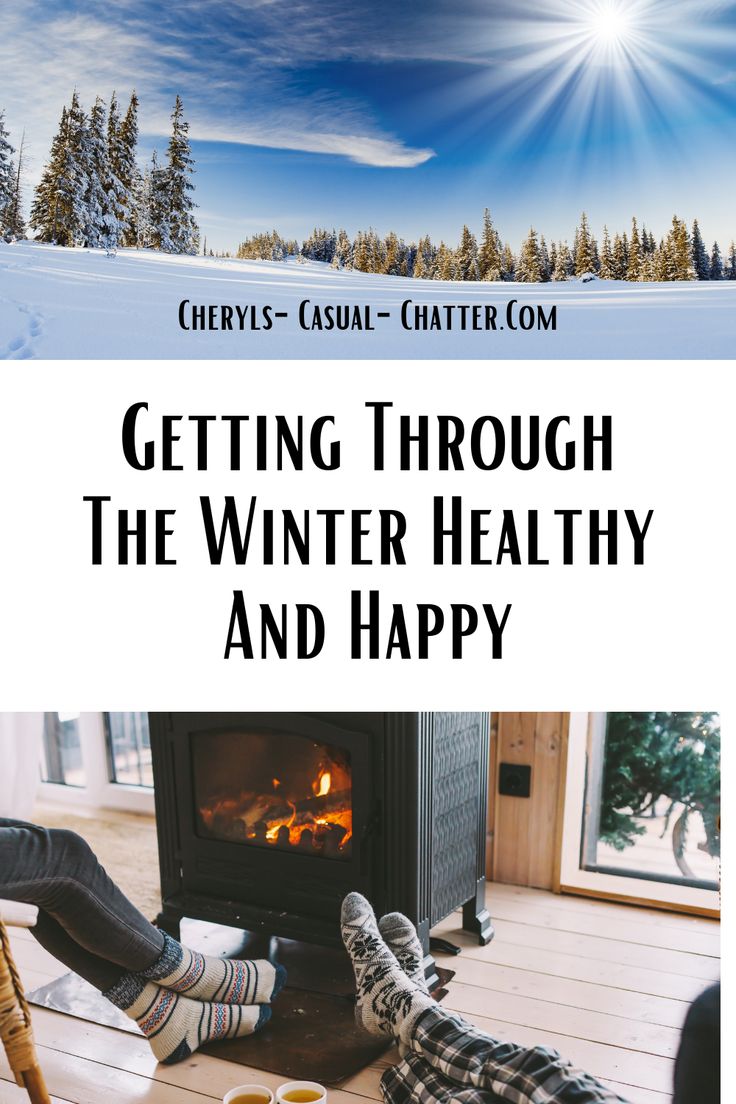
{"x": 321, "y": 785}
{"x": 317, "y": 818}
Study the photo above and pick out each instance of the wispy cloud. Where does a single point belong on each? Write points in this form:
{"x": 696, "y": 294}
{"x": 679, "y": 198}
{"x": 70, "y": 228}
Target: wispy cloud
{"x": 235, "y": 63}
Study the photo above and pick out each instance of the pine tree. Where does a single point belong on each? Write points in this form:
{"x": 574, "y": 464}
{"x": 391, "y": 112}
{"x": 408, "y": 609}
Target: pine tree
{"x": 127, "y": 171}
{"x": 584, "y": 248}
{"x": 680, "y": 250}
{"x": 699, "y": 254}
{"x": 466, "y": 257}
{"x": 445, "y": 263}
{"x": 181, "y": 233}
{"x": 489, "y": 253}
{"x": 58, "y": 206}
{"x": 529, "y": 266}
{"x": 633, "y": 269}
{"x": 544, "y": 261}
{"x": 343, "y": 251}
{"x": 13, "y": 226}
{"x": 620, "y": 261}
{"x": 607, "y": 268}
{"x": 99, "y": 216}
{"x": 730, "y": 272}
{"x": 7, "y": 178}
{"x": 508, "y": 263}
{"x": 564, "y": 263}
{"x": 716, "y": 264}
{"x": 392, "y": 259}
{"x": 118, "y": 195}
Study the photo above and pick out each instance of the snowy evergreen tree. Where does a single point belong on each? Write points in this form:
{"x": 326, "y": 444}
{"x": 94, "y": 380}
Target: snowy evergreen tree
{"x": 466, "y": 257}
{"x": 730, "y": 269}
{"x": 392, "y": 259}
{"x": 179, "y": 230}
{"x": 716, "y": 264}
{"x": 99, "y": 219}
{"x": 119, "y": 198}
{"x": 607, "y": 267}
{"x": 489, "y": 252}
{"x": 699, "y": 254}
{"x": 58, "y": 211}
{"x": 529, "y": 265}
{"x": 584, "y": 248}
{"x": 343, "y": 255}
{"x": 680, "y": 250}
{"x": 545, "y": 269}
{"x": 633, "y": 269}
{"x": 7, "y": 178}
{"x": 13, "y": 227}
{"x": 127, "y": 171}
{"x": 445, "y": 263}
{"x": 508, "y": 263}
{"x": 564, "y": 264}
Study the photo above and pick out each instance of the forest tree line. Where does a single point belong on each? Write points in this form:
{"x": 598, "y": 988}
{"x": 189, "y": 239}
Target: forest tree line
{"x": 634, "y": 255}
{"x": 92, "y": 192}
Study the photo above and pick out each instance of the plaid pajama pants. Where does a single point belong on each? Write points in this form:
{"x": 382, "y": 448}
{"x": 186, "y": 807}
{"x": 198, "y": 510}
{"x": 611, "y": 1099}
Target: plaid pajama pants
{"x": 452, "y": 1061}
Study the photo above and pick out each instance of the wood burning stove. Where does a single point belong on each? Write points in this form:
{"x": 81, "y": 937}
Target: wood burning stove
{"x": 266, "y": 820}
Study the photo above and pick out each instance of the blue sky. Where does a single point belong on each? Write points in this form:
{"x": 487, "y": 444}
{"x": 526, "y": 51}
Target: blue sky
{"x": 406, "y": 115}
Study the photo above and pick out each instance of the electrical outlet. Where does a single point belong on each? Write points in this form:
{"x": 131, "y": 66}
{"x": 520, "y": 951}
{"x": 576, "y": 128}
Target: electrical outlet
{"x": 514, "y": 779}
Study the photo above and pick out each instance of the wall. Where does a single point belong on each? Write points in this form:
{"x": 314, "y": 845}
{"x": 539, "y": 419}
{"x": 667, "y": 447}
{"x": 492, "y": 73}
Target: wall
{"x": 523, "y": 833}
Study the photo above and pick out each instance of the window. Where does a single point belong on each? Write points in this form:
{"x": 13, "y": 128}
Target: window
{"x": 129, "y": 748}
{"x": 101, "y": 760}
{"x": 61, "y": 761}
{"x": 642, "y": 807}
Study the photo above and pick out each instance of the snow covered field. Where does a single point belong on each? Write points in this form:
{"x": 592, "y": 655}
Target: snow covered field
{"x": 72, "y": 303}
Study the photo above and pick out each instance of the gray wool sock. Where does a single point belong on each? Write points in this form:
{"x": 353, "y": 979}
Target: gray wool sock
{"x": 402, "y": 940}
{"x": 388, "y": 1003}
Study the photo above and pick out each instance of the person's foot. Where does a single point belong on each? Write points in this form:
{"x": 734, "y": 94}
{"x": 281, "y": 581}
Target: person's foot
{"x": 387, "y": 1003}
{"x": 403, "y": 942}
{"x": 208, "y": 978}
{"x": 176, "y": 1026}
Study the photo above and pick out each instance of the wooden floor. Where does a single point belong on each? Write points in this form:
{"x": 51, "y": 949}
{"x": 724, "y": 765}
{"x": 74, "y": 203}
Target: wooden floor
{"x": 606, "y": 985}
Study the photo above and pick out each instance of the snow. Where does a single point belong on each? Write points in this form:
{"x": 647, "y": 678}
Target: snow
{"x": 79, "y": 304}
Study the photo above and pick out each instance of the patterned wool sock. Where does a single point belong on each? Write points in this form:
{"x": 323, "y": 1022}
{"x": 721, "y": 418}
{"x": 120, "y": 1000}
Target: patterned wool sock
{"x": 176, "y": 1026}
{"x": 388, "y": 1003}
{"x": 205, "y": 977}
{"x": 402, "y": 940}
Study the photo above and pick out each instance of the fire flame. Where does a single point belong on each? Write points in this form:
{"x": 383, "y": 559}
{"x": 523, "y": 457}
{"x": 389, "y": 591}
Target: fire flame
{"x": 323, "y": 784}
{"x": 309, "y": 825}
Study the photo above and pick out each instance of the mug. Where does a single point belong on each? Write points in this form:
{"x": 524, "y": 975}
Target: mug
{"x": 301, "y": 1092}
{"x": 243, "y": 1091}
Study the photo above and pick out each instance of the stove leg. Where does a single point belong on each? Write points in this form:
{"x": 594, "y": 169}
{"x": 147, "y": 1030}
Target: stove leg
{"x": 169, "y": 920}
{"x": 476, "y": 918}
{"x": 430, "y": 966}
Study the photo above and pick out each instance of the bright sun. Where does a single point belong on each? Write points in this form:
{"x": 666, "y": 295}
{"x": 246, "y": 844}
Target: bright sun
{"x": 610, "y": 23}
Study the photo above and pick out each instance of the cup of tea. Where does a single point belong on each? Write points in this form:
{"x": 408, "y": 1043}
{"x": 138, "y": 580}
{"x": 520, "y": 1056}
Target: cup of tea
{"x": 248, "y": 1094}
{"x": 301, "y": 1092}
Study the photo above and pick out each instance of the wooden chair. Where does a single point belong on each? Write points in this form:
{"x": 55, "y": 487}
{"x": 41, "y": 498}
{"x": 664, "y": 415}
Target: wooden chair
{"x": 15, "y": 1017}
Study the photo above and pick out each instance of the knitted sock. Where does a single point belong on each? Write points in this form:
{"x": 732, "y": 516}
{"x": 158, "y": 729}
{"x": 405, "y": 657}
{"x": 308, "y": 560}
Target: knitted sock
{"x": 205, "y": 977}
{"x": 388, "y": 1003}
{"x": 402, "y": 940}
{"x": 176, "y": 1026}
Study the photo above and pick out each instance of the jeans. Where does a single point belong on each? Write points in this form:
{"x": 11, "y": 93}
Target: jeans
{"x": 84, "y": 920}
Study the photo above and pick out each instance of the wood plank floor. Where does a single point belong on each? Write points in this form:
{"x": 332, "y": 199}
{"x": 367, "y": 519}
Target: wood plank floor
{"x": 606, "y": 985}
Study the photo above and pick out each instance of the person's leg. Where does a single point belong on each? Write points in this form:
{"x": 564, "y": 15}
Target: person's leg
{"x": 56, "y": 870}
{"x": 388, "y": 1002}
